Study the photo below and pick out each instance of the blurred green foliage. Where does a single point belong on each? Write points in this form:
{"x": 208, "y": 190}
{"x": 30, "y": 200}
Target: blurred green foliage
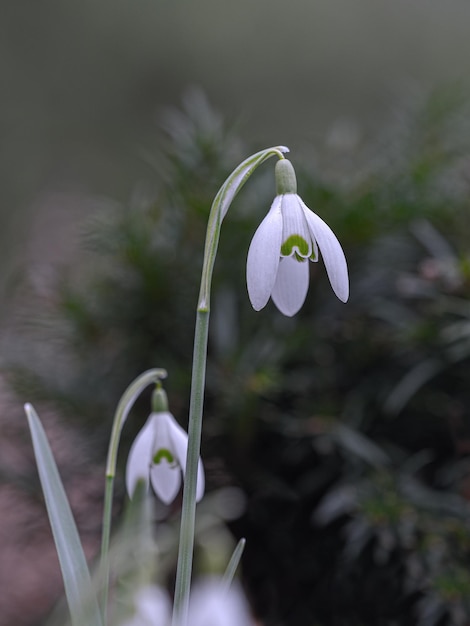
{"x": 348, "y": 426}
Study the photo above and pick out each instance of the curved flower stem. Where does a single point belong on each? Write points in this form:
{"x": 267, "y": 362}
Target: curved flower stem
{"x": 219, "y": 208}
{"x": 122, "y": 411}
{"x": 106, "y": 532}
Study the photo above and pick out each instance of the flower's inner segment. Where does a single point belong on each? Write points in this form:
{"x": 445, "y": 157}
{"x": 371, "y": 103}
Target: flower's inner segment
{"x": 163, "y": 453}
{"x": 295, "y": 245}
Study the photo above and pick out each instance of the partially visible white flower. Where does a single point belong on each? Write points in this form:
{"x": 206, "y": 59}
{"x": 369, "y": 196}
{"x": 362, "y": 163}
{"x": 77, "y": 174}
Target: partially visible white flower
{"x": 159, "y": 454}
{"x": 152, "y": 608}
{"x": 289, "y": 236}
{"x": 212, "y": 604}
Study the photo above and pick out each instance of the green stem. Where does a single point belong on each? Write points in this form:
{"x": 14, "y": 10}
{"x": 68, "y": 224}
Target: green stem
{"x": 122, "y": 411}
{"x": 104, "y": 570}
{"x": 188, "y": 513}
{"x": 219, "y": 208}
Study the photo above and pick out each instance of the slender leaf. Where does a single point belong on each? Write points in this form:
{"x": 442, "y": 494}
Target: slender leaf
{"x": 82, "y": 603}
{"x": 233, "y": 563}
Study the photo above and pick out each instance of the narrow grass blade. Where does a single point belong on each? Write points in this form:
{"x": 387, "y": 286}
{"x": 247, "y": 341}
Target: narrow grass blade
{"x": 233, "y": 564}
{"x": 82, "y": 603}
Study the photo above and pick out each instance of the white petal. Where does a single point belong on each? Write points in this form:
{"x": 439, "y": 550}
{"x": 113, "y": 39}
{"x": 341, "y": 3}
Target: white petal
{"x": 291, "y": 285}
{"x": 295, "y": 227}
{"x": 140, "y": 457}
{"x": 332, "y": 253}
{"x": 212, "y": 604}
{"x": 179, "y": 447}
{"x": 263, "y": 256}
{"x": 165, "y": 475}
{"x": 166, "y": 480}
{"x": 176, "y": 438}
{"x": 162, "y": 419}
{"x": 149, "y": 602}
{"x": 201, "y": 482}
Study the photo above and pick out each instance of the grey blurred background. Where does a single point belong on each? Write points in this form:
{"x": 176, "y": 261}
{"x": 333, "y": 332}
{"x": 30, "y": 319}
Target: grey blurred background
{"x": 83, "y": 85}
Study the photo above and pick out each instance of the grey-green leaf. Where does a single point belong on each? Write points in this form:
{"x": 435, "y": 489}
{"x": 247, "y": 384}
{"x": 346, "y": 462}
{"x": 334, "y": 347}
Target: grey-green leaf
{"x": 82, "y": 602}
{"x": 233, "y": 563}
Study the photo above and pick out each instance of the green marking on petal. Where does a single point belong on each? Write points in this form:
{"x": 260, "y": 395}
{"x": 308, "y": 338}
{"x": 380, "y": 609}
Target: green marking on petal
{"x": 163, "y": 453}
{"x": 295, "y": 244}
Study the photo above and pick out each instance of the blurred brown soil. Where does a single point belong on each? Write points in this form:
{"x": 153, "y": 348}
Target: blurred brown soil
{"x": 30, "y": 579}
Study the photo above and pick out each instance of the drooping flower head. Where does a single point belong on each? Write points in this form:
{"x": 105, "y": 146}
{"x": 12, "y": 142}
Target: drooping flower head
{"x": 159, "y": 453}
{"x": 289, "y": 236}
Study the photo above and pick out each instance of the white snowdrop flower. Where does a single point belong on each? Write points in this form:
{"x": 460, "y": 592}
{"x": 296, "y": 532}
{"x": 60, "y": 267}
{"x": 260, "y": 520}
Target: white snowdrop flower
{"x": 152, "y": 608}
{"x": 159, "y": 454}
{"x": 289, "y": 236}
{"x": 212, "y": 604}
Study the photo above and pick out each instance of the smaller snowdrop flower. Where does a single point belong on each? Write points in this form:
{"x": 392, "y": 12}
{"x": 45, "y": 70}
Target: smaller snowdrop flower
{"x": 212, "y": 604}
{"x": 152, "y": 608}
{"x": 159, "y": 453}
{"x": 289, "y": 236}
